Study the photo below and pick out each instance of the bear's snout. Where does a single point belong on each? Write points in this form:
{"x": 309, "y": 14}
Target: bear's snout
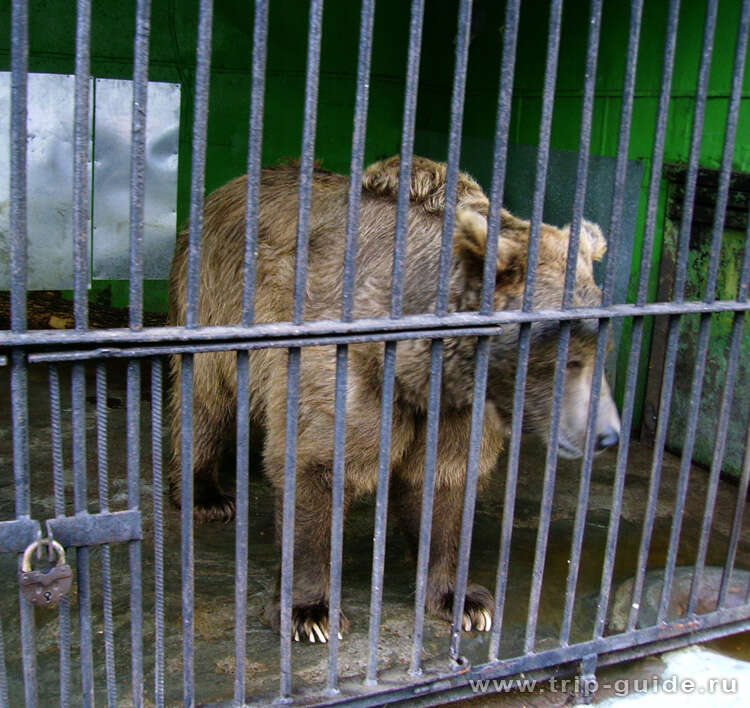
{"x": 608, "y": 438}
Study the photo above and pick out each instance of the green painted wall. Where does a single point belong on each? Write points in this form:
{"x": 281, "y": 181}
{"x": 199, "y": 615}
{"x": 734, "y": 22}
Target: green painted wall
{"x": 174, "y": 30}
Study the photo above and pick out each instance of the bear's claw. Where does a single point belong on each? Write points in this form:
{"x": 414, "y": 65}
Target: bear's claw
{"x": 310, "y": 623}
{"x": 482, "y": 620}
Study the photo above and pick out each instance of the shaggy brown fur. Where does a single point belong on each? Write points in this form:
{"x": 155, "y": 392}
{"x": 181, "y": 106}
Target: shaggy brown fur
{"x": 215, "y": 374}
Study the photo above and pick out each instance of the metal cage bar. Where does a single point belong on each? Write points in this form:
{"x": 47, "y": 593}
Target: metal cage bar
{"x": 19, "y": 45}
{"x": 524, "y": 340}
{"x": 294, "y": 354}
{"x": 602, "y": 336}
{"x": 704, "y": 327}
{"x": 58, "y": 491}
{"x": 618, "y": 197}
{"x": 734, "y": 537}
{"x": 254, "y": 154}
{"x": 437, "y": 345}
{"x": 197, "y": 185}
{"x": 565, "y": 333}
{"x": 389, "y": 357}
{"x": 103, "y": 479}
{"x": 158, "y": 482}
{"x": 3, "y": 671}
{"x": 255, "y": 137}
{"x": 81, "y": 139}
{"x": 505, "y": 95}
{"x": 241, "y": 525}
{"x": 674, "y": 321}
{"x": 81, "y": 346}
{"x": 367, "y": 18}
{"x": 133, "y": 451}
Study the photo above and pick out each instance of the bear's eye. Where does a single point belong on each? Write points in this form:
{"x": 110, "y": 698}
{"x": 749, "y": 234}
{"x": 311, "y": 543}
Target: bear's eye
{"x": 575, "y": 365}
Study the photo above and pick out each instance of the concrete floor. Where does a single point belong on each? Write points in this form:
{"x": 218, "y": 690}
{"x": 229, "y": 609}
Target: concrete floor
{"x": 214, "y": 564}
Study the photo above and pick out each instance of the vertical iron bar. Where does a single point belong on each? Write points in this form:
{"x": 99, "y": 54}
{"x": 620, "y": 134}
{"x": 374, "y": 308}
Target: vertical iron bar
{"x": 734, "y": 537}
{"x": 436, "y": 346}
{"x": 156, "y": 457}
{"x": 254, "y": 154}
{"x": 734, "y": 350}
{"x": 294, "y": 357}
{"x": 3, "y": 671}
{"x": 407, "y": 149}
{"x": 197, "y": 185}
{"x": 137, "y": 196}
{"x": 428, "y": 498}
{"x": 287, "y": 536}
{"x": 255, "y": 149}
{"x": 742, "y": 294}
{"x": 59, "y": 496}
{"x": 381, "y": 509}
{"x": 504, "y": 101}
{"x": 470, "y": 493}
{"x": 550, "y": 77}
{"x": 454, "y": 152}
{"x": 133, "y": 417}
{"x": 186, "y": 528}
{"x": 138, "y": 159}
{"x": 81, "y": 139}
{"x": 241, "y": 524}
{"x": 308, "y": 157}
{"x": 81, "y": 206}
{"x": 674, "y": 320}
{"x": 101, "y": 449}
{"x": 357, "y": 158}
{"x": 618, "y": 198}
{"x": 637, "y": 332}
{"x": 18, "y": 179}
{"x": 565, "y": 330}
{"x": 337, "y": 516}
{"x": 347, "y": 307}
{"x": 18, "y": 259}
{"x": 198, "y": 165}
{"x": 389, "y": 361}
{"x": 722, "y": 429}
{"x": 78, "y": 391}
{"x": 704, "y": 327}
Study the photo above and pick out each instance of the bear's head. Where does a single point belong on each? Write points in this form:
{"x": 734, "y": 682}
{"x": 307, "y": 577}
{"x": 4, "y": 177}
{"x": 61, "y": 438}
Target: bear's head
{"x": 469, "y": 245}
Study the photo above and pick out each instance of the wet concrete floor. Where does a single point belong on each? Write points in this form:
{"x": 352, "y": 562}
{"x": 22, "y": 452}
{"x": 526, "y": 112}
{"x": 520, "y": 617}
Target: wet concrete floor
{"x": 214, "y": 561}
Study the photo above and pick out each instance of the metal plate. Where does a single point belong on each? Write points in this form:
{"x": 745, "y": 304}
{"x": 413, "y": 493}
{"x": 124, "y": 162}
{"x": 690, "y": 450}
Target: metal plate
{"x": 112, "y": 121}
{"x": 50, "y": 181}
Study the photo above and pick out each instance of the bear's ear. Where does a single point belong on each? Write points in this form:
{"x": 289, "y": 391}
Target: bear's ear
{"x": 592, "y": 236}
{"x": 470, "y": 242}
{"x": 469, "y": 233}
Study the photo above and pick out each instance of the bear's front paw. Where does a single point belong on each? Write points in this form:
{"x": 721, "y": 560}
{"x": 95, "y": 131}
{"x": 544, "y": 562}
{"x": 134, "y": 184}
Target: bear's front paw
{"x": 309, "y": 622}
{"x": 478, "y": 606}
{"x": 477, "y": 609}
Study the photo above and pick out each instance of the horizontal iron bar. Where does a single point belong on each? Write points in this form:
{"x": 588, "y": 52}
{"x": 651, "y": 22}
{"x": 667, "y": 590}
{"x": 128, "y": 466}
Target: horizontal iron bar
{"x": 441, "y": 695}
{"x": 616, "y": 642}
{"x": 110, "y": 352}
{"x": 411, "y": 323}
{"x": 93, "y": 529}
{"x": 609, "y": 650}
{"x": 17, "y": 534}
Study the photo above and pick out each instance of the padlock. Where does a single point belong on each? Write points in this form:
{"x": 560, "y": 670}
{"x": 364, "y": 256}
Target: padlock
{"x": 45, "y": 588}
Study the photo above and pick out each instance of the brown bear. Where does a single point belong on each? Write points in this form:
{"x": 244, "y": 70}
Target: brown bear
{"x": 220, "y": 303}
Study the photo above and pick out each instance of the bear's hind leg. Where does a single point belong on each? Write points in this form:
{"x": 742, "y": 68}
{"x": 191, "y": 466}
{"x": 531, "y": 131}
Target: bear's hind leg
{"x": 211, "y": 441}
{"x": 446, "y": 530}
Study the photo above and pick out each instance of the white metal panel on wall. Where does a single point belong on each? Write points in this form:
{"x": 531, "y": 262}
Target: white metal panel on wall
{"x": 50, "y": 179}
